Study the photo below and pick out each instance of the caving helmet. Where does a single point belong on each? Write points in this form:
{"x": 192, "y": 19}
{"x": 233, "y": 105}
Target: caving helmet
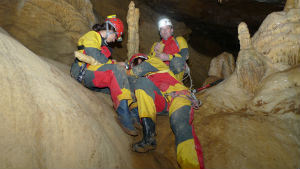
{"x": 164, "y": 22}
{"x": 117, "y": 24}
{"x": 133, "y": 59}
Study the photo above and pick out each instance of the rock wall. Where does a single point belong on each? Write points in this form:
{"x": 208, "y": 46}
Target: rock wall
{"x": 49, "y": 28}
{"x": 48, "y": 120}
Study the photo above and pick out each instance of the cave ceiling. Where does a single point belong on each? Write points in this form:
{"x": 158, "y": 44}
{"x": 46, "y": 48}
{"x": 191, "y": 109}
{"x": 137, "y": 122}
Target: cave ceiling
{"x": 214, "y": 22}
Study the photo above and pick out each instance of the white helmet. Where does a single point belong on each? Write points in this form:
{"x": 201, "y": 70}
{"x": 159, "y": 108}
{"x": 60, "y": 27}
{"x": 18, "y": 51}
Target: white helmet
{"x": 164, "y": 22}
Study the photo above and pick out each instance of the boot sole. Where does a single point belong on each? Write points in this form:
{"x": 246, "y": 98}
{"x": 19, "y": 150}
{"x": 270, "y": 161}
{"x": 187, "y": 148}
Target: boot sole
{"x": 144, "y": 149}
{"x": 127, "y": 131}
{"x": 138, "y": 125}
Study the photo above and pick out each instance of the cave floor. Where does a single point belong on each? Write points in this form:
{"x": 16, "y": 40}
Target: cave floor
{"x": 164, "y": 156}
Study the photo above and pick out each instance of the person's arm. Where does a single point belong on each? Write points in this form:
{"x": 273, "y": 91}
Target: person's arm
{"x": 177, "y": 63}
{"x": 142, "y": 69}
{"x": 183, "y": 48}
{"x": 183, "y": 51}
{"x": 96, "y": 54}
{"x": 92, "y": 46}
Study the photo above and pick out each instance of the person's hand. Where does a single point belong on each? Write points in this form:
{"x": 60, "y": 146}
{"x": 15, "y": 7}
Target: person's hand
{"x": 157, "y": 47}
{"x": 122, "y": 64}
{"x": 163, "y": 56}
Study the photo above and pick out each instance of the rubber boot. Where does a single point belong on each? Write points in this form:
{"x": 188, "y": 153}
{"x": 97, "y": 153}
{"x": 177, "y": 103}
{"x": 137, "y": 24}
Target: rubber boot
{"x": 124, "y": 118}
{"x": 148, "y": 142}
{"x": 135, "y": 118}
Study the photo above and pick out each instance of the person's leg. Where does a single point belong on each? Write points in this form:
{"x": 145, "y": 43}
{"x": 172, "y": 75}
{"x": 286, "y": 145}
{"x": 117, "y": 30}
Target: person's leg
{"x": 115, "y": 78}
{"x": 150, "y": 100}
{"x": 112, "y": 76}
{"x": 180, "y": 110}
{"x": 125, "y": 119}
{"x": 134, "y": 106}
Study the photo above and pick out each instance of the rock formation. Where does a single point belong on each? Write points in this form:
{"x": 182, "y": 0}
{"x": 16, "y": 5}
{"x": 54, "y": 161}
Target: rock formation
{"x": 278, "y": 41}
{"x": 133, "y": 16}
{"x": 49, "y": 28}
{"x": 250, "y": 67}
{"x": 221, "y": 67}
{"x": 48, "y": 120}
{"x": 251, "y": 119}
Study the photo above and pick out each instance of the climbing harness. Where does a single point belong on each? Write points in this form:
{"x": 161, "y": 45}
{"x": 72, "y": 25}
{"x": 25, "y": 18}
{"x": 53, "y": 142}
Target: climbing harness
{"x": 185, "y": 94}
{"x": 187, "y": 74}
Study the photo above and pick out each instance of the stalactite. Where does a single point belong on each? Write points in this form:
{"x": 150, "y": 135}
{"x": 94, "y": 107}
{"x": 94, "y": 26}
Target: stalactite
{"x": 133, "y": 16}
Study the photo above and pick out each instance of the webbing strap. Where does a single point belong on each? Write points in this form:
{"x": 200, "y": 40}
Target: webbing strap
{"x": 161, "y": 71}
{"x": 197, "y": 142}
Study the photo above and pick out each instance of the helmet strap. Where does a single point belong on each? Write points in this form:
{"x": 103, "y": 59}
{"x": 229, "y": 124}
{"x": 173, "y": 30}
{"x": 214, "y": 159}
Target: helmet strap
{"x": 108, "y": 32}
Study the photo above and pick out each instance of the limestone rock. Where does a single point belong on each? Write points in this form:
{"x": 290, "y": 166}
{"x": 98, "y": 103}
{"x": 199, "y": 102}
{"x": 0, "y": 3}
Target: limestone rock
{"x": 278, "y": 40}
{"x": 241, "y": 125}
{"x": 49, "y": 28}
{"x": 222, "y": 66}
{"x": 48, "y": 120}
{"x": 240, "y": 131}
{"x": 250, "y": 67}
{"x": 133, "y": 16}
{"x": 239, "y": 140}
{"x": 290, "y": 4}
{"x": 278, "y": 94}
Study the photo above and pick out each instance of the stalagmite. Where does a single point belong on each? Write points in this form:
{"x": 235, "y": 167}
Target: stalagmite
{"x": 250, "y": 67}
{"x": 257, "y": 127}
{"x": 133, "y": 16}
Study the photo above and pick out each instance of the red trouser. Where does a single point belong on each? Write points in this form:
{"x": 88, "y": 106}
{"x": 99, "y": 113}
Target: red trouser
{"x": 111, "y": 76}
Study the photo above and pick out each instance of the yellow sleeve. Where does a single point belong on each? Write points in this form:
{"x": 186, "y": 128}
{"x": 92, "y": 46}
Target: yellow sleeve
{"x": 91, "y": 39}
{"x": 152, "y": 53}
{"x": 181, "y": 42}
{"x": 183, "y": 48}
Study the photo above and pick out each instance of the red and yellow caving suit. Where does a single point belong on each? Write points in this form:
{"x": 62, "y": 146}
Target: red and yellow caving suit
{"x": 177, "y": 49}
{"x": 154, "y": 84}
{"x": 106, "y": 74}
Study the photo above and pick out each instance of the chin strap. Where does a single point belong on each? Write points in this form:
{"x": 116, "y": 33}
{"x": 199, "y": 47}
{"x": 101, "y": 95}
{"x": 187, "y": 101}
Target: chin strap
{"x": 108, "y": 32}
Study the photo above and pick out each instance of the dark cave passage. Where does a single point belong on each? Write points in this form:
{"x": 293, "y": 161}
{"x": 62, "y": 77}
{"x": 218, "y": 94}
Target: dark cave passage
{"x": 214, "y": 25}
